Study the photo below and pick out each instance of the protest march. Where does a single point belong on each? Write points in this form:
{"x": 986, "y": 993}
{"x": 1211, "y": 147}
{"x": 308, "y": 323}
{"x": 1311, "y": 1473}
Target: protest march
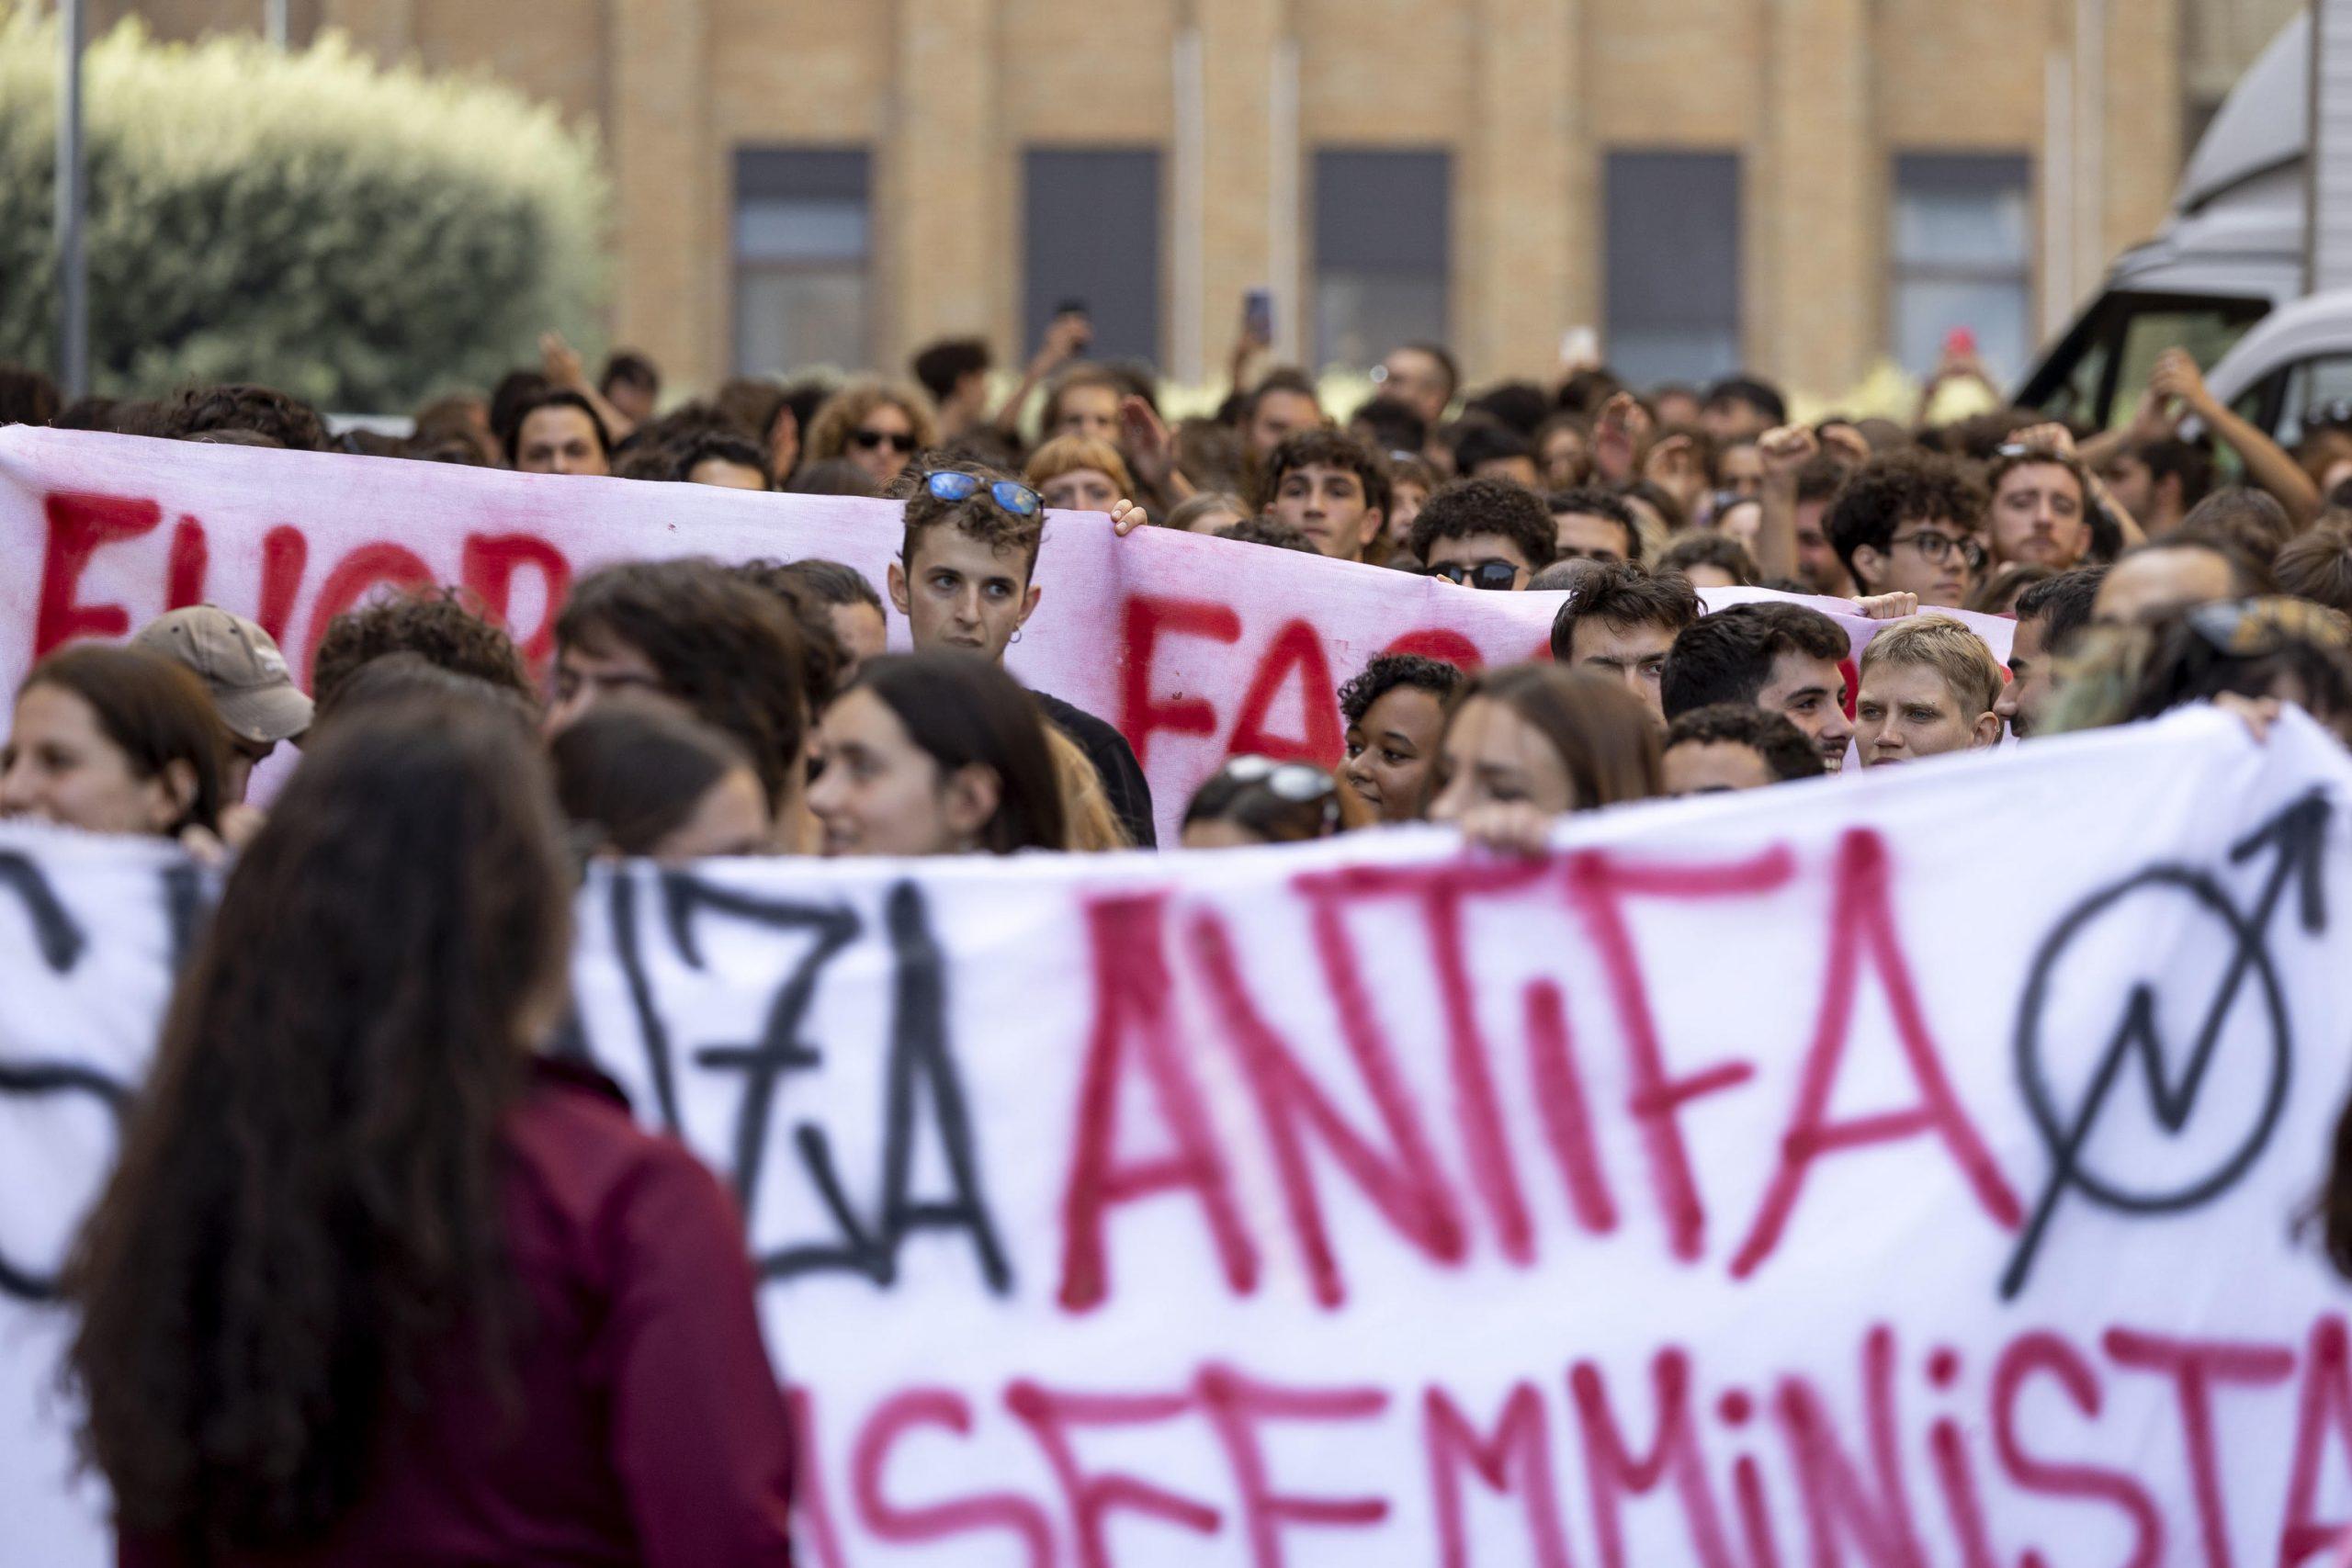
{"x": 1366, "y": 954}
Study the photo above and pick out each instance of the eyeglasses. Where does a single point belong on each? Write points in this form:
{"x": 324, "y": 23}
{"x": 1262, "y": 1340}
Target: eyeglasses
{"x": 950, "y": 485}
{"x": 1936, "y": 548}
{"x": 874, "y": 440}
{"x": 2255, "y": 629}
{"x": 1492, "y": 574}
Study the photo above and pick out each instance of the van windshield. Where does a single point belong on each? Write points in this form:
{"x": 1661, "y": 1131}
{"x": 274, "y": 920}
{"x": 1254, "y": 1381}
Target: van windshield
{"x": 2099, "y": 370}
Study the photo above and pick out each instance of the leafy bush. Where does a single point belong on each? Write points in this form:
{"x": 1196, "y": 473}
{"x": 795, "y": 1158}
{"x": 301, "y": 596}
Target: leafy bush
{"x": 360, "y": 237}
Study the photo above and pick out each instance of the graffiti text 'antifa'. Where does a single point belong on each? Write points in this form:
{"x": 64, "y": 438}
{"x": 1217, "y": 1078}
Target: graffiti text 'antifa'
{"x": 1138, "y": 941}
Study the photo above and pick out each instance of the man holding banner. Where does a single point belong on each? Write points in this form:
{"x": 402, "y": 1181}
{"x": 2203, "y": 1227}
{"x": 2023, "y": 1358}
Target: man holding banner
{"x": 1238, "y": 1209}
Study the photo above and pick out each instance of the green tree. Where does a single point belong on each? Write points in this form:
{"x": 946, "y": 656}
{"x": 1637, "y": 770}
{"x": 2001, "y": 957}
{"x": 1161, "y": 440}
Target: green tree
{"x": 358, "y": 236}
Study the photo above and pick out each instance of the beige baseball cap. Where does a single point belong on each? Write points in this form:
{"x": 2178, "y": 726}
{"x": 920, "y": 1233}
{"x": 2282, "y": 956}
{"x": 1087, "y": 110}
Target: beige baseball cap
{"x": 240, "y": 665}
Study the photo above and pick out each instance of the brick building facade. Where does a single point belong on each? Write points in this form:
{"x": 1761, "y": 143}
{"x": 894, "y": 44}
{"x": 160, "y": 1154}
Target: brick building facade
{"x": 1807, "y": 185}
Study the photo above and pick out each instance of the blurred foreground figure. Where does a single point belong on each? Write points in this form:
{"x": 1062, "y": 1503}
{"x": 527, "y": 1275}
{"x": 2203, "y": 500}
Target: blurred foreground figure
{"x": 373, "y": 1280}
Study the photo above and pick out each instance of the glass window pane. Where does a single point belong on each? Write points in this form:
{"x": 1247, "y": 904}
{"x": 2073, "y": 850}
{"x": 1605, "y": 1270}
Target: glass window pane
{"x": 1673, "y": 262}
{"x": 1927, "y": 310}
{"x": 1963, "y": 247}
{"x": 2207, "y": 335}
{"x": 801, "y": 240}
{"x": 787, "y": 319}
{"x": 1093, "y": 227}
{"x": 2312, "y": 386}
{"x": 1384, "y": 234}
{"x": 1360, "y": 317}
{"x": 772, "y": 230}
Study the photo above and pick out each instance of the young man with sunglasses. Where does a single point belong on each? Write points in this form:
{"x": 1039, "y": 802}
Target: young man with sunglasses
{"x": 1485, "y": 534}
{"x": 1908, "y": 523}
{"x": 963, "y": 581}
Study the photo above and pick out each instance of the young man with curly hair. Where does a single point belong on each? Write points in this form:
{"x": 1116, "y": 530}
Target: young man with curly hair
{"x": 435, "y": 624}
{"x": 1484, "y": 534}
{"x": 1908, "y": 523}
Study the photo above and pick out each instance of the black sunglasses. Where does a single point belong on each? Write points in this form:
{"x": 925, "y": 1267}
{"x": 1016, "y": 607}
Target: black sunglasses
{"x": 872, "y": 440}
{"x": 1494, "y": 575}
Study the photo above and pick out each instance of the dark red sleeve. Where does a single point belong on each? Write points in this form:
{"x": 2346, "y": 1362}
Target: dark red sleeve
{"x": 700, "y": 1438}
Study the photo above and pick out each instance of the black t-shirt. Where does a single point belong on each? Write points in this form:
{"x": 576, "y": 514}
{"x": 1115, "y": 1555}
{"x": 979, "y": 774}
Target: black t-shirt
{"x": 1114, "y": 763}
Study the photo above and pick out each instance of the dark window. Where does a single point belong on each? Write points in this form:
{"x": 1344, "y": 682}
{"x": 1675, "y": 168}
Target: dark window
{"x": 1672, "y": 301}
{"x": 1963, "y": 257}
{"x": 802, "y": 248}
{"x": 1093, "y": 239}
{"x": 1382, "y": 226}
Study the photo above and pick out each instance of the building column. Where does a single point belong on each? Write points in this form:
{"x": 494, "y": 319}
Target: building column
{"x": 1515, "y": 240}
{"x": 939, "y": 197}
{"x": 1815, "y": 296}
{"x": 1243, "y": 46}
{"x": 672, "y": 255}
{"x": 2142, "y": 93}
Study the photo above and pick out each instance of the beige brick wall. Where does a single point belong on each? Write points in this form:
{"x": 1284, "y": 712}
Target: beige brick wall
{"x": 1529, "y": 96}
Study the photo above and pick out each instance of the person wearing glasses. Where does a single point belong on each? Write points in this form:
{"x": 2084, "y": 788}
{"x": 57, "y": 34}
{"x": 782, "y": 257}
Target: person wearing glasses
{"x": 1254, "y": 801}
{"x": 1908, "y": 523}
{"x": 1484, "y": 534}
{"x": 878, "y": 426}
{"x": 964, "y": 582}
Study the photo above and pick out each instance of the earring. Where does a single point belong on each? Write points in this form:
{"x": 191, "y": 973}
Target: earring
{"x": 1016, "y": 634}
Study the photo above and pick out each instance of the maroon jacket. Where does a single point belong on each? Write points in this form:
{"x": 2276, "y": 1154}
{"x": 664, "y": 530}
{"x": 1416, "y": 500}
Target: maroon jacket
{"x": 649, "y": 1429}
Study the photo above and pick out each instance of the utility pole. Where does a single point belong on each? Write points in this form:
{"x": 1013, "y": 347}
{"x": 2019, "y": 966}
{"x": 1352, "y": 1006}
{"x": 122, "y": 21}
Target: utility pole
{"x": 73, "y": 200}
{"x": 274, "y": 21}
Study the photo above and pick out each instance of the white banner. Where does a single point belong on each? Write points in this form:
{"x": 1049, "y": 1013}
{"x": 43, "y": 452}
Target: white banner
{"x": 1195, "y": 648}
{"x": 1895, "y": 1171}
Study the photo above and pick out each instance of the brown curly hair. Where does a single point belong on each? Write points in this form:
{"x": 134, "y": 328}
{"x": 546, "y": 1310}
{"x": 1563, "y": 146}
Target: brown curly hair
{"x": 843, "y": 412}
{"x": 977, "y": 516}
{"x": 1902, "y": 487}
{"x": 436, "y": 624}
{"x": 1488, "y": 506}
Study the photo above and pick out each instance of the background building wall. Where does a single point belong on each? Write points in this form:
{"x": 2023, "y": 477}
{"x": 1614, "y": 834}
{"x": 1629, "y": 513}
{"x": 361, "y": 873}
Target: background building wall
{"x": 1827, "y": 107}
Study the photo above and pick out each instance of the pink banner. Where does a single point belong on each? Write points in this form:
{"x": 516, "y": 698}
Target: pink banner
{"x": 1195, "y": 648}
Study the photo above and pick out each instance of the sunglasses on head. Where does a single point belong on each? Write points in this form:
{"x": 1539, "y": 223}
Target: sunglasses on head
{"x": 1292, "y": 781}
{"x": 2256, "y": 628}
{"x": 950, "y": 485}
{"x": 874, "y": 440}
{"x": 1493, "y": 574}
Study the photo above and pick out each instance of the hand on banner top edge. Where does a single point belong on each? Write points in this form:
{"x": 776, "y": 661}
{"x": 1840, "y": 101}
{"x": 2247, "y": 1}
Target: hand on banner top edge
{"x": 2258, "y": 712}
{"x": 1126, "y": 517}
{"x": 1511, "y": 827}
{"x": 1887, "y": 606}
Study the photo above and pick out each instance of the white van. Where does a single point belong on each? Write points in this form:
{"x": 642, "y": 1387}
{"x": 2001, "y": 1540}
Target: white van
{"x": 2225, "y": 278}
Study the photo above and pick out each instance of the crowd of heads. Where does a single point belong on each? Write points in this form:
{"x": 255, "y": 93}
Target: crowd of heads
{"x": 693, "y": 707}
{"x": 389, "y": 944}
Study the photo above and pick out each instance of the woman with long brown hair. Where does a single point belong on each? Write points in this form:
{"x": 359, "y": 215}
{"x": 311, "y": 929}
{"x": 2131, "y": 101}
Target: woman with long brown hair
{"x": 373, "y": 1280}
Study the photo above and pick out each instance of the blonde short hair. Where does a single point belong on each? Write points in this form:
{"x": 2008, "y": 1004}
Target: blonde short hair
{"x": 840, "y": 415}
{"x": 1087, "y": 816}
{"x": 1069, "y": 454}
{"x": 1947, "y": 647}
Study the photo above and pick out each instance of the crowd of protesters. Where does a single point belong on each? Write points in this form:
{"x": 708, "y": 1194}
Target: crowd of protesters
{"x": 352, "y": 1062}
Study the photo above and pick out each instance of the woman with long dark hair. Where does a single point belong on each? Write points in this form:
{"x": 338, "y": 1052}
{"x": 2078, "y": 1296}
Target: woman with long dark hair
{"x": 374, "y": 1282}
{"x": 936, "y": 754}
